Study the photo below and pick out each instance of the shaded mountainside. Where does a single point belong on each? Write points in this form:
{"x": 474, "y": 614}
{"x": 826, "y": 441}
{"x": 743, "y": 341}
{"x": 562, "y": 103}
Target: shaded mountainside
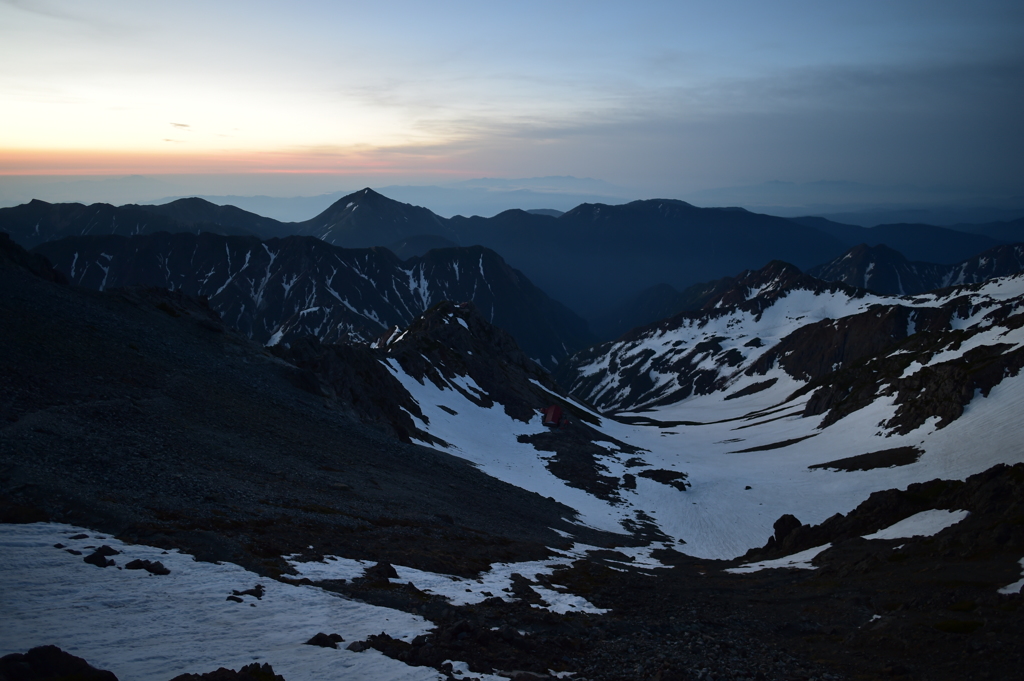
{"x": 591, "y": 257}
{"x": 281, "y": 290}
{"x": 169, "y": 428}
{"x": 924, "y": 243}
{"x": 1010, "y": 231}
{"x": 596, "y": 256}
{"x": 883, "y": 270}
{"x": 656, "y": 303}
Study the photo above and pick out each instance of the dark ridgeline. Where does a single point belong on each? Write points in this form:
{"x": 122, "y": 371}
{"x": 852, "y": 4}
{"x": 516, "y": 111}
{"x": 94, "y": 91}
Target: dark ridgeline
{"x": 589, "y": 258}
{"x": 883, "y": 270}
{"x": 595, "y": 256}
{"x": 848, "y": 363}
{"x": 926, "y": 243}
{"x": 280, "y": 290}
{"x": 617, "y": 266}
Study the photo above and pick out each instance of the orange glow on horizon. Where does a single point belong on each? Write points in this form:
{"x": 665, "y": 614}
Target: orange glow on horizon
{"x": 99, "y": 162}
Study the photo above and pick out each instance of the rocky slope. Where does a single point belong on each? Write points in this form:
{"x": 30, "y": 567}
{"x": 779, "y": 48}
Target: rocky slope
{"x": 880, "y": 269}
{"x": 829, "y": 337}
{"x": 140, "y": 413}
{"x": 281, "y": 290}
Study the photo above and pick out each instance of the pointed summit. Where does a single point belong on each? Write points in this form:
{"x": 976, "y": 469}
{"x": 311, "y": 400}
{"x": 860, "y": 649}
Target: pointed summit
{"x": 366, "y": 218}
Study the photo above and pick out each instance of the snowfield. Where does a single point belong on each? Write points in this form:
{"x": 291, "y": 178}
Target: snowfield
{"x": 154, "y": 627}
{"x": 718, "y": 517}
{"x": 748, "y": 459}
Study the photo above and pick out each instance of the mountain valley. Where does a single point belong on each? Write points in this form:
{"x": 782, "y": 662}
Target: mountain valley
{"x": 791, "y": 477}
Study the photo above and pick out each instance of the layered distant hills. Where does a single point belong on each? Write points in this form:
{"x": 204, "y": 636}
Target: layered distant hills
{"x": 591, "y": 258}
{"x": 617, "y": 266}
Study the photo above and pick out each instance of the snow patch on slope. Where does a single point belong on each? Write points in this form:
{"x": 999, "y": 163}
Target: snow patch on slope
{"x": 151, "y": 628}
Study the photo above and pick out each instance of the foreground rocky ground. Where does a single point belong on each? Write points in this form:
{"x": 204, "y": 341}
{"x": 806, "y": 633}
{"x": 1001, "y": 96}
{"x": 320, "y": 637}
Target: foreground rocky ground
{"x": 922, "y": 608}
{"x": 139, "y": 414}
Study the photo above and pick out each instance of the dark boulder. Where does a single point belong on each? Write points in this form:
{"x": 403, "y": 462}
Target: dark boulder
{"x": 250, "y": 672}
{"x": 100, "y": 558}
{"x": 152, "y": 567}
{"x": 325, "y": 640}
{"x": 49, "y": 663}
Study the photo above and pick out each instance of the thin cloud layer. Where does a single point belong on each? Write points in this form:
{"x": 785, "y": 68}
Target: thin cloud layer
{"x": 665, "y": 96}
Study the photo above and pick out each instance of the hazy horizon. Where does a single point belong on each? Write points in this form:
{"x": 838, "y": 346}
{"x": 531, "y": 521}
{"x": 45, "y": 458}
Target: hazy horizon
{"x": 292, "y": 198}
{"x": 665, "y": 99}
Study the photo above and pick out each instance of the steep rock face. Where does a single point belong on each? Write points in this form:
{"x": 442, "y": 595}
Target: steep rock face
{"x": 280, "y": 290}
{"x": 882, "y": 270}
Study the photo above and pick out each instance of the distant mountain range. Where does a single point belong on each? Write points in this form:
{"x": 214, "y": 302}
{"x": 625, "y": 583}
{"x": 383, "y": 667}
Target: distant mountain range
{"x": 872, "y": 440}
{"x": 917, "y": 242}
{"x": 594, "y": 258}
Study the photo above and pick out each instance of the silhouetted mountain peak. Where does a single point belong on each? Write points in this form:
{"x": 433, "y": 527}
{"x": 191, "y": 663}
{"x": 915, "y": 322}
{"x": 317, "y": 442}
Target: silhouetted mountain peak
{"x": 366, "y": 218}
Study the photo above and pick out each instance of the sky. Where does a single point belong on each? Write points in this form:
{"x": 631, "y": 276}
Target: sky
{"x": 664, "y": 98}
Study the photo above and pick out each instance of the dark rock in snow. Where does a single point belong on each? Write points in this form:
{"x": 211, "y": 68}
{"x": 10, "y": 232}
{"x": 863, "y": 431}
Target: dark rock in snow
{"x": 381, "y": 572}
{"x": 256, "y": 591}
{"x": 49, "y": 663}
{"x": 152, "y": 567}
{"x": 784, "y": 526}
{"x": 250, "y": 672}
{"x": 886, "y": 458}
{"x": 99, "y": 557}
{"x": 358, "y": 646}
{"x": 325, "y": 640}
